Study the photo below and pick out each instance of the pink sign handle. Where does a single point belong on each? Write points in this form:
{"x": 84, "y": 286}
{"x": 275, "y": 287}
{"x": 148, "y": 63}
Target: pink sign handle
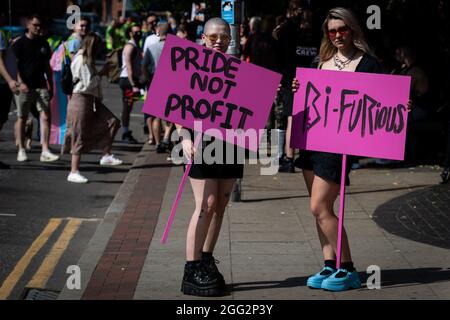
{"x": 179, "y": 193}
{"x": 341, "y": 211}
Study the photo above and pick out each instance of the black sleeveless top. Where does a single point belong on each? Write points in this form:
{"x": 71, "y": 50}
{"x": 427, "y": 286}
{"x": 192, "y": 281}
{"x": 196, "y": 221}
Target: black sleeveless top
{"x": 329, "y": 165}
{"x": 367, "y": 64}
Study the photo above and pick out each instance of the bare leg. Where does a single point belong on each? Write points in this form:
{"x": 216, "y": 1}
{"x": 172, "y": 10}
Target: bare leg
{"x": 45, "y": 130}
{"x": 205, "y": 194}
{"x": 156, "y": 128}
{"x": 167, "y": 130}
{"x": 289, "y": 151}
{"x": 149, "y": 126}
{"x": 225, "y": 186}
{"x": 20, "y": 131}
{"x": 323, "y": 196}
{"x": 28, "y": 137}
{"x": 327, "y": 248}
{"x": 76, "y": 158}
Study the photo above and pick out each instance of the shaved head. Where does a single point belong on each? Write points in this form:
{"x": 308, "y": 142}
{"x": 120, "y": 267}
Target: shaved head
{"x": 213, "y": 23}
{"x": 217, "y": 34}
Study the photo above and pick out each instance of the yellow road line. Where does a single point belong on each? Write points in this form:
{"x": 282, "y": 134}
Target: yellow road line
{"x": 47, "y": 267}
{"x": 19, "y": 269}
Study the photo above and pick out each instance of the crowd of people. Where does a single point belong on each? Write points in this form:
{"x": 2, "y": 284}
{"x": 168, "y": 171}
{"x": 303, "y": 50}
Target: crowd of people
{"x": 134, "y": 48}
{"x": 288, "y": 41}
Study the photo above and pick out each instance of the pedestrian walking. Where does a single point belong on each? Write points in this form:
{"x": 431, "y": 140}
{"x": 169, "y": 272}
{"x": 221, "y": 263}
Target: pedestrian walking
{"x": 89, "y": 123}
{"x": 36, "y": 86}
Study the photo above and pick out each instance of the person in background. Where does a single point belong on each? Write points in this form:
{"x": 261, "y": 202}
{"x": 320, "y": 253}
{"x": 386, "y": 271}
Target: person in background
{"x": 261, "y": 47}
{"x": 244, "y": 31}
{"x": 8, "y": 85}
{"x": 149, "y": 64}
{"x": 297, "y": 48}
{"x": 81, "y": 29}
{"x": 420, "y": 87}
{"x": 89, "y": 123}
{"x": 152, "y": 21}
{"x": 182, "y": 31}
{"x": 113, "y": 39}
{"x": 130, "y": 78}
{"x": 153, "y": 37}
{"x": 36, "y": 86}
{"x": 173, "y": 25}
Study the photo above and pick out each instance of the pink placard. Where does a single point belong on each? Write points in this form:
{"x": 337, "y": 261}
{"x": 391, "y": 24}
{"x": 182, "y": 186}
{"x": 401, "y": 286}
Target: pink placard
{"x": 351, "y": 113}
{"x": 193, "y": 82}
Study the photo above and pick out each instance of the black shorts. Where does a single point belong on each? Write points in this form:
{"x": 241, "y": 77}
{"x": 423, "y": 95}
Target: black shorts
{"x": 328, "y": 166}
{"x": 216, "y": 171}
{"x": 223, "y": 170}
{"x": 5, "y": 98}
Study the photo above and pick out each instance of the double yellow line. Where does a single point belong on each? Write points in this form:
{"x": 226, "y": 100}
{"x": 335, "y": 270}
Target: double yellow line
{"x": 47, "y": 267}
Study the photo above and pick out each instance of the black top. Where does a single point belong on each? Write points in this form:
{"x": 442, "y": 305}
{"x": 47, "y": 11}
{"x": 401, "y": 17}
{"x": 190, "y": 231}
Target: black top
{"x": 33, "y": 56}
{"x": 367, "y": 64}
{"x": 297, "y": 48}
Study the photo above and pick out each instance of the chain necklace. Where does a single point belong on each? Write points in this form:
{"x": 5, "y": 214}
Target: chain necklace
{"x": 343, "y": 64}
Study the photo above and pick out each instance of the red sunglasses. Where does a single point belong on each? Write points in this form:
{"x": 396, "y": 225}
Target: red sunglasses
{"x": 342, "y": 30}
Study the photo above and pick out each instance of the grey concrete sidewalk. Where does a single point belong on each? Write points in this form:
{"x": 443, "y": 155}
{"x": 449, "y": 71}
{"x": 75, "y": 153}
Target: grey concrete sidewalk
{"x": 269, "y": 246}
{"x": 396, "y": 219}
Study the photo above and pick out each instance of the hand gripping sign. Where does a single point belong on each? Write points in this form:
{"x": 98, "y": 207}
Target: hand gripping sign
{"x": 194, "y": 83}
{"x": 350, "y": 113}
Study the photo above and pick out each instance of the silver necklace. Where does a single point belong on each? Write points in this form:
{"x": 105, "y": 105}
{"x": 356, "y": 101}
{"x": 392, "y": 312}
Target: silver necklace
{"x": 342, "y": 64}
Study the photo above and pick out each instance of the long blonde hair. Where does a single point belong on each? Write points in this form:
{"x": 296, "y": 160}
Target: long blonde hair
{"x": 327, "y": 49}
{"x": 89, "y": 47}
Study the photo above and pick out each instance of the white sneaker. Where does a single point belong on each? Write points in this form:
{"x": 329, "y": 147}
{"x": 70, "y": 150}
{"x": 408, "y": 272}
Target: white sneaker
{"x": 22, "y": 155}
{"x": 76, "y": 177}
{"x": 47, "y": 156}
{"x": 110, "y": 160}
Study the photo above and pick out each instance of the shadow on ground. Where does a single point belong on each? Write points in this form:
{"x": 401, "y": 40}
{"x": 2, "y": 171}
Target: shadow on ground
{"x": 389, "y": 278}
{"x": 422, "y": 216}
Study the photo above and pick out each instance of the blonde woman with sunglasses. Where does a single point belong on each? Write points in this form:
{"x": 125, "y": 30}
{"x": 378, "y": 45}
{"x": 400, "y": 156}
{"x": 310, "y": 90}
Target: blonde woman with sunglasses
{"x": 345, "y": 49}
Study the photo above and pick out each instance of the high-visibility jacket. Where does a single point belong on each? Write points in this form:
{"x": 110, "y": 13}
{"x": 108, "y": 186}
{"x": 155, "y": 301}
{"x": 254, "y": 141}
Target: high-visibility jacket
{"x": 54, "y": 42}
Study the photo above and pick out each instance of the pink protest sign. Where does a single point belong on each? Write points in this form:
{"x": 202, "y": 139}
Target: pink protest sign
{"x": 193, "y": 82}
{"x": 351, "y": 113}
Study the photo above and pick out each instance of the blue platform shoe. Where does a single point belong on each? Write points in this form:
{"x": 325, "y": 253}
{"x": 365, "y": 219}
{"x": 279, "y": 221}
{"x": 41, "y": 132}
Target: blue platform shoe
{"x": 342, "y": 280}
{"x": 315, "y": 281}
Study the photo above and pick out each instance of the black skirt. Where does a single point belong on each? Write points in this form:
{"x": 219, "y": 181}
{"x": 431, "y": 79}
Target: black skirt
{"x": 328, "y": 166}
{"x": 218, "y": 169}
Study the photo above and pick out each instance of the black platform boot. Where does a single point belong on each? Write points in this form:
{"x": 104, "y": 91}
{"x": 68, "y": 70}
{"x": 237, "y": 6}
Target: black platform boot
{"x": 198, "y": 281}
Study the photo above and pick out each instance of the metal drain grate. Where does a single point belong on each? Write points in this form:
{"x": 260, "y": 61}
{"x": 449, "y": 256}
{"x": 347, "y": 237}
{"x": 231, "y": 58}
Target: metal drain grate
{"x": 41, "y": 294}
